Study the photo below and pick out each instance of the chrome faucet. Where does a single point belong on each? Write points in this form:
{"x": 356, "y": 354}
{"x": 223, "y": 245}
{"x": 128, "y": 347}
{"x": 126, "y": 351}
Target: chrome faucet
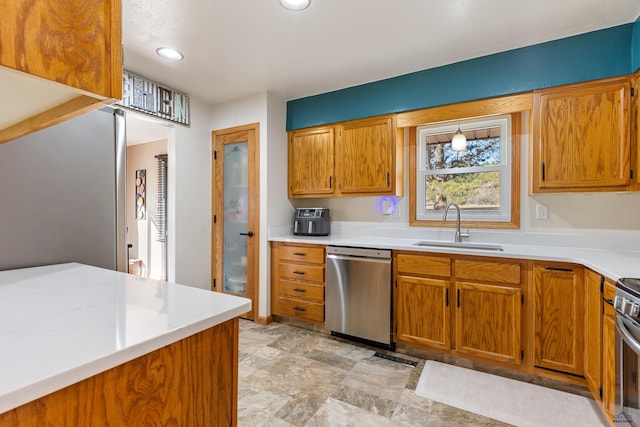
{"x": 459, "y": 235}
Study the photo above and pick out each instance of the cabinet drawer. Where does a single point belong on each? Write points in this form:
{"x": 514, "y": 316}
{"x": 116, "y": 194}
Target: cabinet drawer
{"x": 312, "y": 273}
{"x": 298, "y": 309}
{"x": 302, "y": 254}
{"x": 302, "y": 290}
{"x": 424, "y": 265}
{"x": 499, "y": 272}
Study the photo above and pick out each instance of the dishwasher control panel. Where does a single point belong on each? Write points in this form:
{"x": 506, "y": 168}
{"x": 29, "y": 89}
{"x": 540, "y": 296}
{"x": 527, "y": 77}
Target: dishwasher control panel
{"x": 359, "y": 252}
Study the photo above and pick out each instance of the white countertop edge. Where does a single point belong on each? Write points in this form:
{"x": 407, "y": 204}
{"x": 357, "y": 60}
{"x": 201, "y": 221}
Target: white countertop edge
{"x": 603, "y": 261}
{"x": 46, "y": 386}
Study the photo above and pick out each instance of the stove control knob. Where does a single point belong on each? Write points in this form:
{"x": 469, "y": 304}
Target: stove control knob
{"x": 627, "y": 307}
{"x": 618, "y": 302}
{"x": 634, "y": 311}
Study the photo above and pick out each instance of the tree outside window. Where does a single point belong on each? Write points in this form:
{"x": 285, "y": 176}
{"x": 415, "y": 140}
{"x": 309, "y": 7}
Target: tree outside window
{"x": 478, "y": 179}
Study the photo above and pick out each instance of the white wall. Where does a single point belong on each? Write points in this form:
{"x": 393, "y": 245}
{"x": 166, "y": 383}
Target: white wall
{"x": 275, "y": 208}
{"x": 189, "y": 204}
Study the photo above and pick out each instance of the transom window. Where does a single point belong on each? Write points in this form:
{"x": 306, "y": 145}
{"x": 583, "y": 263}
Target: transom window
{"x": 478, "y": 178}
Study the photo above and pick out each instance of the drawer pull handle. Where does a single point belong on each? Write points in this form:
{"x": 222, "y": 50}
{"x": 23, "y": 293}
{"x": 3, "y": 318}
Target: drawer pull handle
{"x": 566, "y": 270}
{"x": 299, "y": 290}
{"x": 298, "y": 272}
{"x": 299, "y": 254}
{"x": 299, "y": 309}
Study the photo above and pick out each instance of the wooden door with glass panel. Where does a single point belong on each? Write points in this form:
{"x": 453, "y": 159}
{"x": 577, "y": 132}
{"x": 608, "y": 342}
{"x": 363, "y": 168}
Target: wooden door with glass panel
{"x": 235, "y": 196}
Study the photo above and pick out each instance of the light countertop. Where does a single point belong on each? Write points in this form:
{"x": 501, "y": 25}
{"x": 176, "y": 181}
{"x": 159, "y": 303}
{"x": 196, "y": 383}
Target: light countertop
{"x": 63, "y": 323}
{"x": 610, "y": 263}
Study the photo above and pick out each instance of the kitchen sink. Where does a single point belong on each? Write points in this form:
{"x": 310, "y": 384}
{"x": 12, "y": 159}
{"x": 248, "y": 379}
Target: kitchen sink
{"x": 453, "y": 245}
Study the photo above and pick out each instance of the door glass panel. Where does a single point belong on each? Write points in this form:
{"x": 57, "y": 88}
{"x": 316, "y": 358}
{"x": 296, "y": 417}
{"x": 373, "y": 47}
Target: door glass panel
{"x": 236, "y": 177}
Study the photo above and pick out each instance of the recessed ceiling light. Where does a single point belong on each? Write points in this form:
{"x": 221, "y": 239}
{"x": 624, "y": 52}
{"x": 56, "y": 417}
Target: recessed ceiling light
{"x": 295, "y": 4}
{"x": 169, "y": 53}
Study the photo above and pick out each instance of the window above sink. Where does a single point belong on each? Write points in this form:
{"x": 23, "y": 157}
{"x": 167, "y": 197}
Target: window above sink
{"x": 483, "y": 178}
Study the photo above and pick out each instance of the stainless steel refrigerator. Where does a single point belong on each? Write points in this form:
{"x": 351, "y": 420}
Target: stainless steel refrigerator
{"x": 62, "y": 194}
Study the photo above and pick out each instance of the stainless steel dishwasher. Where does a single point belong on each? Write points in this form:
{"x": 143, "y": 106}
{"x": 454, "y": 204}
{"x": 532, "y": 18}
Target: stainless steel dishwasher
{"x": 358, "y": 294}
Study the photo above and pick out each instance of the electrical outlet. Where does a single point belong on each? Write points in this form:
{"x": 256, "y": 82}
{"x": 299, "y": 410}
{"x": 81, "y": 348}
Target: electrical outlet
{"x": 542, "y": 212}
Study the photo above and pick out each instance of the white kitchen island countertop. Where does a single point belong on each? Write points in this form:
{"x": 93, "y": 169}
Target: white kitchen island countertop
{"x": 63, "y": 323}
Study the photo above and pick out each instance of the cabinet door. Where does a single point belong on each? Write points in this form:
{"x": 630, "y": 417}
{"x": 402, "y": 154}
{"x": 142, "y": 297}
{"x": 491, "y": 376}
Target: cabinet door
{"x": 581, "y": 137}
{"x": 311, "y": 162}
{"x": 235, "y": 200}
{"x": 423, "y": 315}
{"x": 593, "y": 331}
{"x": 608, "y": 361}
{"x": 73, "y": 42}
{"x": 559, "y": 318}
{"x": 365, "y": 156}
{"x": 488, "y": 321}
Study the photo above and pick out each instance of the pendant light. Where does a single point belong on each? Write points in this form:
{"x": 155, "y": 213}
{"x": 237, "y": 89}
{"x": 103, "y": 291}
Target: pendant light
{"x": 459, "y": 141}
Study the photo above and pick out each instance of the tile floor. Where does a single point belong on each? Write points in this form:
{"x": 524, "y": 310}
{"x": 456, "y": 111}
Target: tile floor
{"x": 295, "y": 377}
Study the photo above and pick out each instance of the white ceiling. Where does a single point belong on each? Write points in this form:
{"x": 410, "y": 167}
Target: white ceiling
{"x": 236, "y": 48}
{"x": 141, "y": 129}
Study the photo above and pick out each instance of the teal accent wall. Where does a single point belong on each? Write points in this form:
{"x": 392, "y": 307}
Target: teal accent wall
{"x": 589, "y": 56}
{"x": 635, "y": 46}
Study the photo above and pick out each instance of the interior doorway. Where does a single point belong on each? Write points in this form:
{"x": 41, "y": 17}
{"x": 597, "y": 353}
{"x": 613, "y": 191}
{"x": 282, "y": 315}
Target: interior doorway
{"x": 147, "y": 188}
{"x": 235, "y": 212}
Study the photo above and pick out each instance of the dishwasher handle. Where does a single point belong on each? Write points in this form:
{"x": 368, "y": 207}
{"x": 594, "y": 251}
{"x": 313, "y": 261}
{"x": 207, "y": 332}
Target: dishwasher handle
{"x": 357, "y": 258}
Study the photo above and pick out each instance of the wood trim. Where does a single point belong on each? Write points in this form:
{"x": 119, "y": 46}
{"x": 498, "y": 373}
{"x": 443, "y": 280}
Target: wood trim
{"x": 264, "y": 320}
{"x": 484, "y": 107}
{"x": 193, "y": 382}
{"x": 274, "y": 274}
{"x": 115, "y": 47}
{"x": 516, "y": 131}
{"x": 412, "y": 178}
{"x": 68, "y": 110}
{"x": 399, "y": 162}
{"x": 635, "y": 131}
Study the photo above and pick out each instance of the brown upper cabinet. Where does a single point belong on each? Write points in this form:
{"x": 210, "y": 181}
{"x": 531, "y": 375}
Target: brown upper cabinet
{"x": 355, "y": 158}
{"x": 311, "y": 162}
{"x": 59, "y": 59}
{"x": 582, "y": 137}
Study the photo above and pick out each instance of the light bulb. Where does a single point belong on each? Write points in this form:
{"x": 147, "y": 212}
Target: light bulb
{"x": 459, "y": 141}
{"x": 169, "y": 53}
{"x": 295, "y": 4}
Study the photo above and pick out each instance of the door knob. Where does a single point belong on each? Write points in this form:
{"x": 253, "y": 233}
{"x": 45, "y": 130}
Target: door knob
{"x": 250, "y": 234}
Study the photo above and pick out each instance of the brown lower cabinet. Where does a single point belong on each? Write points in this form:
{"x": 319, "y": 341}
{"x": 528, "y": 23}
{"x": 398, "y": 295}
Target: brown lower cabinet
{"x": 297, "y": 281}
{"x": 483, "y": 297}
{"x": 423, "y": 313}
{"x": 559, "y": 317}
{"x": 488, "y": 321}
{"x": 593, "y": 283}
{"x": 544, "y": 318}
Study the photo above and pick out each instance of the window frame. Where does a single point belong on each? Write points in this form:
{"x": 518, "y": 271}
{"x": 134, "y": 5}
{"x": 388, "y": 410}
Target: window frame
{"x": 514, "y": 208}
{"x": 503, "y": 214}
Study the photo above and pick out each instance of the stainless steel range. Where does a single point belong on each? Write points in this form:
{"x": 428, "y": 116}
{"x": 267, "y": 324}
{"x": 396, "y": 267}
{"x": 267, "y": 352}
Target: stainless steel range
{"x": 627, "y": 306}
